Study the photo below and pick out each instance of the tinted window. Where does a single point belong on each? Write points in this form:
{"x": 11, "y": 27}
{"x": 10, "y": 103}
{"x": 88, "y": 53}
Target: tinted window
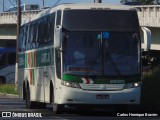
{"x": 58, "y": 21}
{"x": 38, "y": 33}
{"x": 100, "y": 20}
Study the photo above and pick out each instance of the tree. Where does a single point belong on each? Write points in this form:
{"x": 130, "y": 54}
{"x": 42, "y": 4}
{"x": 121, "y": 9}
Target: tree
{"x": 143, "y": 2}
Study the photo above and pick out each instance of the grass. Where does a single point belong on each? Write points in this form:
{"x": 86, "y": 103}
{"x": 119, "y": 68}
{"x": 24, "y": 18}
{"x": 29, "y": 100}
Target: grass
{"x": 8, "y": 89}
{"x": 151, "y": 88}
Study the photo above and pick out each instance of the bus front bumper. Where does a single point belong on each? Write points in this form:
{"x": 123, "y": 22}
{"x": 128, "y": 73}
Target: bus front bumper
{"x": 79, "y": 96}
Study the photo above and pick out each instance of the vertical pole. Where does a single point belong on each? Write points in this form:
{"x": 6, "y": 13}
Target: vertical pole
{"x": 43, "y": 4}
{"x": 18, "y": 24}
{"x": 3, "y": 5}
{"x": 18, "y": 30}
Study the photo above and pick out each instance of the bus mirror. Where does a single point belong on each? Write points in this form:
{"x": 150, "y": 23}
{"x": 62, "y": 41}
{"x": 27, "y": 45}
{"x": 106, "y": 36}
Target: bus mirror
{"x": 147, "y": 38}
{"x": 58, "y": 36}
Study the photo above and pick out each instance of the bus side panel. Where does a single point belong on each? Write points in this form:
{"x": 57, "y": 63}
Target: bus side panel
{"x": 31, "y": 77}
{"x": 38, "y": 85}
{"x": 57, "y": 91}
{"x": 49, "y": 76}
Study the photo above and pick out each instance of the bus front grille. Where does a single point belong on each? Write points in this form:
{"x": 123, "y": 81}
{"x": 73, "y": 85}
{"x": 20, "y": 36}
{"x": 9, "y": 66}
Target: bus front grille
{"x": 103, "y": 87}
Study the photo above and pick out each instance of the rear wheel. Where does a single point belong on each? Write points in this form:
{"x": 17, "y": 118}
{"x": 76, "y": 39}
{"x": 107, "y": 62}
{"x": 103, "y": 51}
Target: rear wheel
{"x": 41, "y": 105}
{"x": 29, "y": 104}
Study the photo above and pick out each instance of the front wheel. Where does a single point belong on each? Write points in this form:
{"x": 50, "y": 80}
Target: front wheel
{"x": 58, "y": 108}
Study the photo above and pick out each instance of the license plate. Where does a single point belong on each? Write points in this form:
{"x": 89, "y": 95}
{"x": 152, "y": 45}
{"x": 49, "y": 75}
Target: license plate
{"x": 102, "y": 96}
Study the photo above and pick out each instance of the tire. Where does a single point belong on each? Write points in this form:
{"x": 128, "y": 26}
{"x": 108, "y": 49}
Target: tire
{"x": 58, "y": 108}
{"x": 29, "y": 104}
{"x": 41, "y": 105}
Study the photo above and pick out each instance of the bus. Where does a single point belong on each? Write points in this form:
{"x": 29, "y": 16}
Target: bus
{"x": 25, "y": 7}
{"x": 7, "y": 65}
{"x": 80, "y": 55}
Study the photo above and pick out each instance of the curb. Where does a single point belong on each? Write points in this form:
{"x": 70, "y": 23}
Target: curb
{"x": 9, "y": 95}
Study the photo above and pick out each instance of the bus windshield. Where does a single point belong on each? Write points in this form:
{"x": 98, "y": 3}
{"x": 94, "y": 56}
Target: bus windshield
{"x": 101, "y": 42}
{"x": 101, "y": 53}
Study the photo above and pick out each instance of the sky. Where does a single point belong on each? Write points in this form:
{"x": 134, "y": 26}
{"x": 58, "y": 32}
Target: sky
{"x": 49, "y": 3}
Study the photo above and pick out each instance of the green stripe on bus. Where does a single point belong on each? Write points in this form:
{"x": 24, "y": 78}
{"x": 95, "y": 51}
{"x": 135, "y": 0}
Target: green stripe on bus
{"x": 101, "y": 79}
{"x": 72, "y": 78}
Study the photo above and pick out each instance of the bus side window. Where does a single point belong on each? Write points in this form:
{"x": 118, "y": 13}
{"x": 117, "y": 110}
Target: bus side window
{"x": 34, "y": 35}
{"x": 25, "y": 32}
{"x": 40, "y": 33}
{"x": 46, "y": 28}
{"x": 51, "y": 30}
{"x": 37, "y": 34}
{"x": 43, "y": 32}
{"x": 28, "y": 46}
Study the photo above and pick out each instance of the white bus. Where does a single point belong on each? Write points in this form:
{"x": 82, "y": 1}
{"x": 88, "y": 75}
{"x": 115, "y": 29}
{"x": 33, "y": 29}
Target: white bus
{"x": 79, "y": 55}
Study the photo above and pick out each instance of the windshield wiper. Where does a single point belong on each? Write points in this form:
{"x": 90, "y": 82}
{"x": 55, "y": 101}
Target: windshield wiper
{"x": 116, "y": 69}
{"x": 93, "y": 61}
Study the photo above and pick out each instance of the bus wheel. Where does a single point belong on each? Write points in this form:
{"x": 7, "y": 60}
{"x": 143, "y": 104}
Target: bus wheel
{"x": 41, "y": 105}
{"x": 58, "y": 108}
{"x": 29, "y": 104}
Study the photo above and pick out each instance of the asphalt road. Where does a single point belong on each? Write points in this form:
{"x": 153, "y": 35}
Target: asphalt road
{"x": 11, "y": 107}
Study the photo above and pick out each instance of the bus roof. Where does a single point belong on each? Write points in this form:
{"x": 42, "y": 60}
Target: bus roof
{"x": 99, "y": 6}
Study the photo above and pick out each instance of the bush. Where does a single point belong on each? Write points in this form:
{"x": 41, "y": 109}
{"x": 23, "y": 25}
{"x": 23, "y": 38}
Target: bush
{"x": 151, "y": 88}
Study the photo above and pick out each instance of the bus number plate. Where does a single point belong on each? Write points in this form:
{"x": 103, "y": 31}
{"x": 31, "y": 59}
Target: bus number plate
{"x": 102, "y": 96}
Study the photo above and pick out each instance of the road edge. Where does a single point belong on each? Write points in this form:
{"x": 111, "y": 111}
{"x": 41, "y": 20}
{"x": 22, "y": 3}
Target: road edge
{"x": 9, "y": 95}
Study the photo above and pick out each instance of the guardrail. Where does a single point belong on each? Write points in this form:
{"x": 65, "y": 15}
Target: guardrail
{"x": 11, "y": 17}
{"x": 149, "y": 15}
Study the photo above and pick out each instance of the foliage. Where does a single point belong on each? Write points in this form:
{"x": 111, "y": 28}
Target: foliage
{"x": 150, "y": 88}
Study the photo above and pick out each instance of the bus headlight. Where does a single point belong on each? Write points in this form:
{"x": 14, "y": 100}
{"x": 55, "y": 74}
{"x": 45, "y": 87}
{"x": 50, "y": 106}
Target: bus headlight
{"x": 70, "y": 84}
{"x": 132, "y": 85}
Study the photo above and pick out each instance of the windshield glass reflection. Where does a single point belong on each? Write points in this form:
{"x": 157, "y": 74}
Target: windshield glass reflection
{"x": 101, "y": 53}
